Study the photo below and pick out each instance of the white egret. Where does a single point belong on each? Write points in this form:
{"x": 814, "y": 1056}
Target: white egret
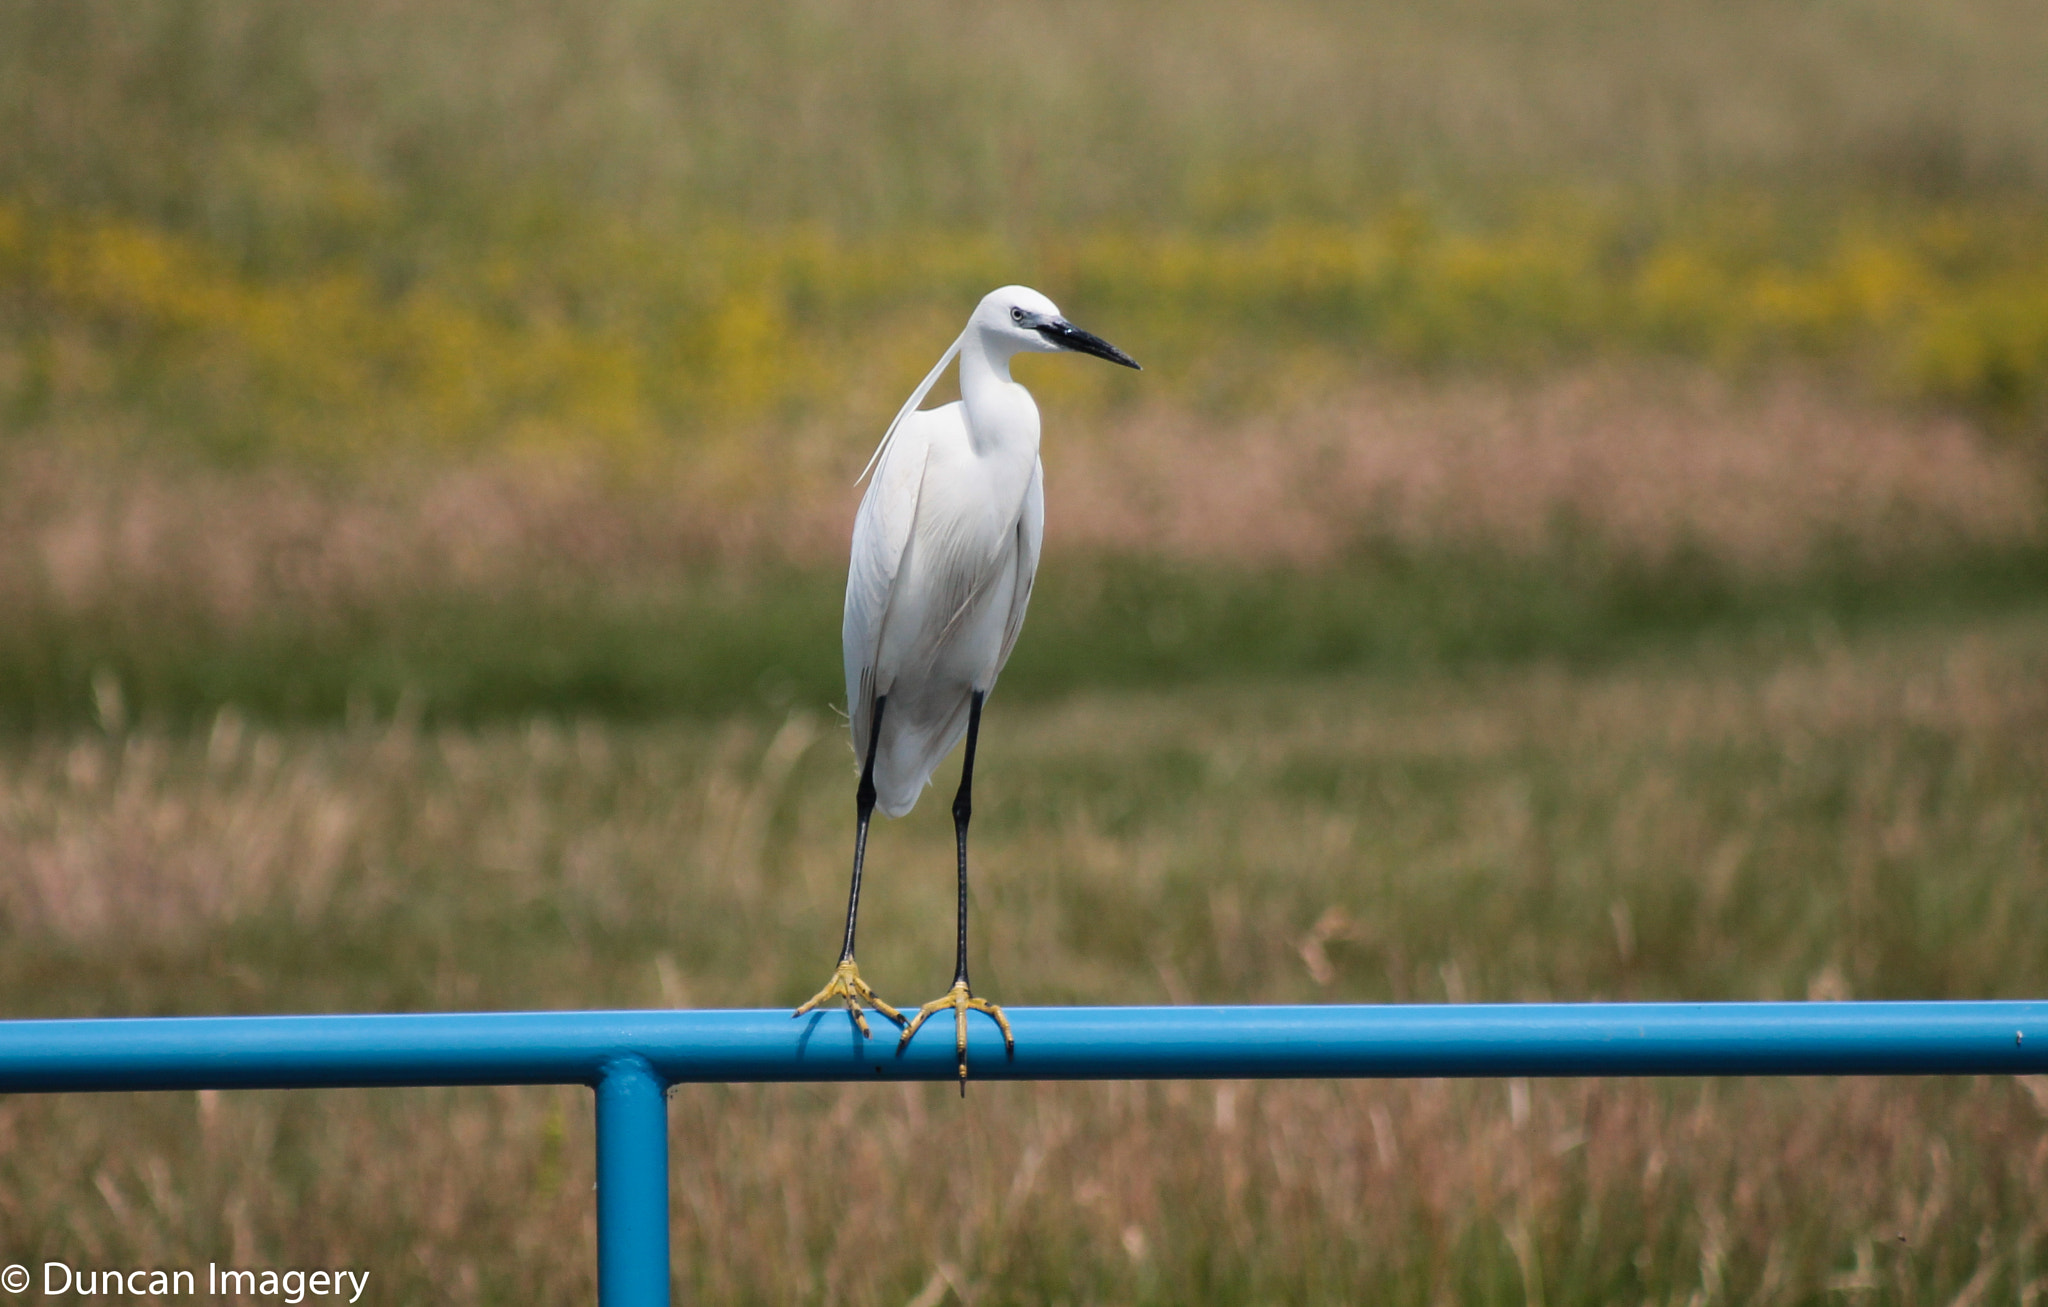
{"x": 944, "y": 551}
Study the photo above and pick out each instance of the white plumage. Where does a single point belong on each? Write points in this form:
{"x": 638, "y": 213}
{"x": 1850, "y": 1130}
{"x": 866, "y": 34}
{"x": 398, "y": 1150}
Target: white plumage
{"x": 945, "y": 549}
{"x": 944, "y": 552}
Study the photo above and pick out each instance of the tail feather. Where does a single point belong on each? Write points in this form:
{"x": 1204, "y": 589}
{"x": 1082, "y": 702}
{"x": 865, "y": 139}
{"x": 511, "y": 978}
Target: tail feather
{"x": 912, "y": 745}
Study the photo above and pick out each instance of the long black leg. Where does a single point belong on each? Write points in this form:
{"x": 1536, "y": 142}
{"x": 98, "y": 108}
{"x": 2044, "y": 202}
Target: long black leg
{"x": 963, "y": 808}
{"x": 864, "y": 808}
{"x": 846, "y": 984}
{"x": 961, "y": 1000}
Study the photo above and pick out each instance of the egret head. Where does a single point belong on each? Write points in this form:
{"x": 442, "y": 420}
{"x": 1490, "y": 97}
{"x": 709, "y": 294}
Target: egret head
{"x": 1018, "y": 318}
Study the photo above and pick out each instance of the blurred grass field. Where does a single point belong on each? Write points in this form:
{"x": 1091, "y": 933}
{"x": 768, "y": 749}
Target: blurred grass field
{"x": 340, "y": 235}
{"x": 1580, "y": 535}
{"x": 1770, "y": 817}
{"x": 629, "y": 341}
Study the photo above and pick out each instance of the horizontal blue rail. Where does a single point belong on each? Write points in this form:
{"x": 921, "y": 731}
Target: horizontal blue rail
{"x": 632, "y": 1058}
{"x": 1533, "y": 1039}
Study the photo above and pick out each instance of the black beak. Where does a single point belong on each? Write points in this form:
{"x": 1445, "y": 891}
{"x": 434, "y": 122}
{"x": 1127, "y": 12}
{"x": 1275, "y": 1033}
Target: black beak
{"x": 1068, "y": 336}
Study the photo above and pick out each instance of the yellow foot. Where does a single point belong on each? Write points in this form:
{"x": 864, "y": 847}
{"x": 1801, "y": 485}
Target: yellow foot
{"x": 847, "y": 985}
{"x": 961, "y": 1001}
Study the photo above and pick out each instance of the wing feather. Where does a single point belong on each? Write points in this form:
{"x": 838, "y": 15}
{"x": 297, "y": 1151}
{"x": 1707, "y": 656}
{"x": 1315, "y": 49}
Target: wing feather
{"x": 963, "y": 596}
{"x": 881, "y": 534}
{"x": 1030, "y": 536}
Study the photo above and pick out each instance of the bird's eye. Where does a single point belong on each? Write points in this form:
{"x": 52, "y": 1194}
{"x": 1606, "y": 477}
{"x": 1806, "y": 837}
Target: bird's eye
{"x": 1016, "y": 315}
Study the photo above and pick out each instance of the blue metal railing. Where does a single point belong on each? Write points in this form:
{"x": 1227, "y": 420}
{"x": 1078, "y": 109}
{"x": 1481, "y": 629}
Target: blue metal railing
{"x": 631, "y": 1059}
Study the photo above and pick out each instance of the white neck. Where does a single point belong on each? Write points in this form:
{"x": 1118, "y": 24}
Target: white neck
{"x": 1000, "y": 412}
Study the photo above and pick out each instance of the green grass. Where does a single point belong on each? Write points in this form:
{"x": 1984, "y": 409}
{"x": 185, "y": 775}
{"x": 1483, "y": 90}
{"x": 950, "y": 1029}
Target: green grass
{"x": 290, "y": 131}
{"x": 762, "y": 640}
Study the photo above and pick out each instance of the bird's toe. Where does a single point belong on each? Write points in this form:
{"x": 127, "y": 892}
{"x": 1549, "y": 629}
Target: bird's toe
{"x": 846, "y": 986}
{"x": 960, "y": 1000}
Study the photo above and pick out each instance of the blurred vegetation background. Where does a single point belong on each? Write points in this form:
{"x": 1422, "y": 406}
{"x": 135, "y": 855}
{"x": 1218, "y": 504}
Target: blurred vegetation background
{"x": 692, "y": 259}
{"x": 339, "y": 232}
{"x": 1580, "y": 534}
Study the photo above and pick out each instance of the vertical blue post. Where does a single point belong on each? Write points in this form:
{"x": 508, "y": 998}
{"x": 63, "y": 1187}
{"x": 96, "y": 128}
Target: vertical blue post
{"x": 632, "y": 1185}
